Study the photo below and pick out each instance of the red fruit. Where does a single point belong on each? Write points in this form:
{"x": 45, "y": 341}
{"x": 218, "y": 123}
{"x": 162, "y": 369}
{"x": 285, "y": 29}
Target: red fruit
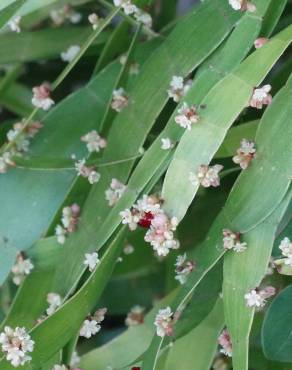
{"x": 145, "y": 221}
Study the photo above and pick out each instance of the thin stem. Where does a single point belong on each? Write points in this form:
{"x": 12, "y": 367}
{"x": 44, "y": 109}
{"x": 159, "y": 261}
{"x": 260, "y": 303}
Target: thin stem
{"x": 146, "y": 30}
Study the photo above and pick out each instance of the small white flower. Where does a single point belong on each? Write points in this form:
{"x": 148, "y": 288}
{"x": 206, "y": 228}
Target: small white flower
{"x": 94, "y": 141}
{"x": 74, "y": 17}
{"x": 129, "y": 219}
{"x": 144, "y": 18}
{"x": 166, "y": 143}
{"x": 14, "y": 24}
{"x": 206, "y": 176}
{"x": 286, "y": 248}
{"x": 114, "y": 192}
{"x": 260, "y": 42}
{"x": 89, "y": 328}
{"x": 70, "y": 53}
{"x": 242, "y": 5}
{"x": 93, "y": 177}
{"x": 6, "y": 162}
{"x": 59, "y": 367}
{"x": 54, "y": 300}
{"x": 21, "y": 269}
{"x": 41, "y": 97}
{"x": 163, "y": 322}
{"x": 60, "y": 233}
{"x": 261, "y": 97}
{"x": 231, "y": 240}
{"x": 91, "y": 260}
{"x": 183, "y": 268}
{"x": 240, "y": 247}
{"x": 225, "y": 341}
{"x": 128, "y": 249}
{"x": 15, "y": 344}
{"x": 120, "y": 100}
{"x": 186, "y": 116}
{"x": 178, "y": 88}
{"x": 127, "y": 6}
{"x": 236, "y": 4}
{"x": 245, "y": 154}
{"x": 254, "y": 299}
{"x": 94, "y": 20}
{"x": 135, "y": 316}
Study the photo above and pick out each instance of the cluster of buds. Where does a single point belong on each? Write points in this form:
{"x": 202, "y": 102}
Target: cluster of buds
{"x": 130, "y": 8}
{"x": 54, "y": 300}
{"x": 91, "y": 260}
{"x": 94, "y": 141}
{"x": 178, "y": 88}
{"x": 42, "y": 96}
{"x": 135, "y": 316}
{"x": 187, "y": 116}
{"x": 70, "y": 217}
{"x": 206, "y": 176}
{"x": 16, "y": 344}
{"x": 147, "y": 213}
{"x": 14, "y": 24}
{"x": 120, "y": 100}
{"x": 22, "y": 268}
{"x": 91, "y": 325}
{"x": 183, "y": 268}
{"x": 224, "y": 341}
{"x": 87, "y": 172}
{"x": 257, "y": 297}
{"x": 245, "y": 154}
{"x": 115, "y": 192}
{"x": 242, "y": 5}
{"x": 261, "y": 97}
{"x": 66, "y": 13}
{"x": 70, "y": 53}
{"x": 232, "y": 241}
{"x": 19, "y": 139}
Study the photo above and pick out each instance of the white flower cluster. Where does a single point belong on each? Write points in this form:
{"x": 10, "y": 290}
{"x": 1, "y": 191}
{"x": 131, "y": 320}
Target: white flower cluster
{"x": 91, "y": 260}
{"x": 231, "y": 240}
{"x": 130, "y": 8}
{"x": 19, "y": 139}
{"x": 94, "y": 20}
{"x": 66, "y": 13}
{"x": 147, "y": 212}
{"x": 178, "y": 88}
{"x": 261, "y": 97}
{"x": 242, "y": 5}
{"x": 41, "y": 97}
{"x": 135, "y": 316}
{"x": 91, "y": 325}
{"x": 115, "y": 192}
{"x": 183, "y": 268}
{"x": 54, "y": 300}
{"x": 224, "y": 341}
{"x": 87, "y": 172}
{"x": 70, "y": 53}
{"x": 187, "y": 116}
{"x": 206, "y": 176}
{"x": 257, "y": 298}
{"x": 69, "y": 222}
{"x": 14, "y": 24}
{"x": 94, "y": 141}
{"x": 286, "y": 248}
{"x": 21, "y": 269}
{"x": 120, "y": 100}
{"x": 15, "y": 344}
{"x": 164, "y": 322}
{"x": 245, "y": 154}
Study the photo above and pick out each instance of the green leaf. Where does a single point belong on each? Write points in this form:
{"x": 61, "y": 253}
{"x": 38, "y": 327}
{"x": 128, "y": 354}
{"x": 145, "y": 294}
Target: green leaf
{"x": 7, "y": 13}
{"x": 276, "y": 330}
{"x": 199, "y": 145}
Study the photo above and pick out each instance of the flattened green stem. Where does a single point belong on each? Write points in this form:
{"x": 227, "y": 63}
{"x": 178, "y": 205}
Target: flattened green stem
{"x": 67, "y": 70}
